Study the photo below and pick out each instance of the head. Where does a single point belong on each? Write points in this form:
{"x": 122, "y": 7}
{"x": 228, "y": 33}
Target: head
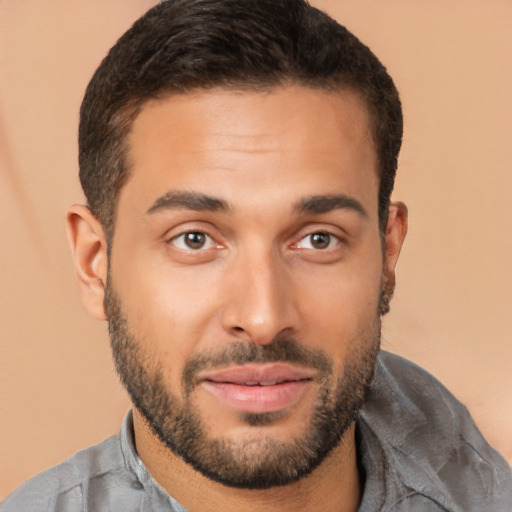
{"x": 238, "y": 159}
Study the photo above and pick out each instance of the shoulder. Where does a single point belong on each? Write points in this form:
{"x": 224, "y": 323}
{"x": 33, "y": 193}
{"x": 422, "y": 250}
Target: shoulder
{"x": 65, "y": 486}
{"x": 430, "y": 440}
{"x": 414, "y": 402}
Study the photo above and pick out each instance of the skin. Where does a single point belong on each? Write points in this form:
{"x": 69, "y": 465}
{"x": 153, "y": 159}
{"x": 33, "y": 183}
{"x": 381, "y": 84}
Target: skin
{"x": 262, "y": 154}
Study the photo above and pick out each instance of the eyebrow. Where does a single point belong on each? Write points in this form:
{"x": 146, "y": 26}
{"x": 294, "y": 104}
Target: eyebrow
{"x": 202, "y": 202}
{"x": 328, "y": 203}
{"x": 189, "y": 201}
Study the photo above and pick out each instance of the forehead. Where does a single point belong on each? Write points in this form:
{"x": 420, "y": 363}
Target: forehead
{"x": 218, "y": 140}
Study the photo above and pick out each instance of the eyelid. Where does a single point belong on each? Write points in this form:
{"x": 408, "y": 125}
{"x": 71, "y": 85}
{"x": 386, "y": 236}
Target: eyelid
{"x": 174, "y": 237}
{"x": 312, "y": 228}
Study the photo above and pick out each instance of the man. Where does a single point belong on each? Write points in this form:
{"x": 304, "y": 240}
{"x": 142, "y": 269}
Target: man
{"x": 238, "y": 159}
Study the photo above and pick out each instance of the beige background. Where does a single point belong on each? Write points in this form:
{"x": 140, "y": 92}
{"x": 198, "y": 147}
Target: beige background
{"x": 451, "y": 61}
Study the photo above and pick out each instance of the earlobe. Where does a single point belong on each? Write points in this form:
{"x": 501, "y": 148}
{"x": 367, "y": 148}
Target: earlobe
{"x": 88, "y": 244}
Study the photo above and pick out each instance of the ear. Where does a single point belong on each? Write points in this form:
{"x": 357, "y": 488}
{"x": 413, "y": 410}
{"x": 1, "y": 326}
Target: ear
{"x": 89, "y": 249}
{"x": 394, "y": 237}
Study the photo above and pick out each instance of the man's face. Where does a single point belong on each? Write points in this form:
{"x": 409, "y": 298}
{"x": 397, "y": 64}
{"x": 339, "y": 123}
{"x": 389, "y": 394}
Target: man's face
{"x": 246, "y": 276}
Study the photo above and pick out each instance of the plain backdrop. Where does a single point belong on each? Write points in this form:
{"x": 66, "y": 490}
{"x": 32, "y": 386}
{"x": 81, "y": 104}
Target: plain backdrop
{"x": 453, "y": 306}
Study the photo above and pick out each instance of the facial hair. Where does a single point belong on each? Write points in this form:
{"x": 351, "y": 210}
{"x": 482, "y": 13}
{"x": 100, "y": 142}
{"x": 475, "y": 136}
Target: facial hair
{"x": 259, "y": 462}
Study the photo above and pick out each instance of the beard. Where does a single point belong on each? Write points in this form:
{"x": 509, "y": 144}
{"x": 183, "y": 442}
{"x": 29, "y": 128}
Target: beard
{"x": 259, "y": 462}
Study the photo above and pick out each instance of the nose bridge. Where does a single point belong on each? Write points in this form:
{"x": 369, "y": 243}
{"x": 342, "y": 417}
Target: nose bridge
{"x": 261, "y": 303}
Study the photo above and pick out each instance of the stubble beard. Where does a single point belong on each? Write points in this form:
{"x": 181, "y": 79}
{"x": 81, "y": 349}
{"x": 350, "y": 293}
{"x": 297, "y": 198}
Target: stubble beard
{"x": 260, "y": 462}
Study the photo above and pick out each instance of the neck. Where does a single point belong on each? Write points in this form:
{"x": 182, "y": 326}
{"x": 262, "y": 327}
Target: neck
{"x": 333, "y": 486}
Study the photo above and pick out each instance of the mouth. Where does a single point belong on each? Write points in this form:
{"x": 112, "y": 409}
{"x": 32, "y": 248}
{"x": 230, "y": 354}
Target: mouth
{"x": 258, "y": 388}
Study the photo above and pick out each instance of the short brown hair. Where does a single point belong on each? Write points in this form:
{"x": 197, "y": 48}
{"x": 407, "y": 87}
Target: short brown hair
{"x": 184, "y": 45}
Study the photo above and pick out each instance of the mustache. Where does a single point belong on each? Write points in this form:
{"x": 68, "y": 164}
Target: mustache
{"x": 280, "y": 349}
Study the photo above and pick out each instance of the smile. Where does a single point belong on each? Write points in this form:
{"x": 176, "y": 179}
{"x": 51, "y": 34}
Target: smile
{"x": 258, "y": 388}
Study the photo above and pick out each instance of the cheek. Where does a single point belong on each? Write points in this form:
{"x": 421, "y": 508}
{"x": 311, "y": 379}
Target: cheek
{"x": 169, "y": 309}
{"x": 342, "y": 305}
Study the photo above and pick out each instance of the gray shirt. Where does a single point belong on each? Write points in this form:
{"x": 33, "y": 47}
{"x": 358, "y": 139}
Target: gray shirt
{"x": 418, "y": 450}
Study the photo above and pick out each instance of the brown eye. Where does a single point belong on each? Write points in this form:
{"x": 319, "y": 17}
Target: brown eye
{"x": 193, "y": 240}
{"x": 320, "y": 240}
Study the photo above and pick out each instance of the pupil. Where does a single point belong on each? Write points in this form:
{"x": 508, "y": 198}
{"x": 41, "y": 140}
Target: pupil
{"x": 320, "y": 240}
{"x": 195, "y": 240}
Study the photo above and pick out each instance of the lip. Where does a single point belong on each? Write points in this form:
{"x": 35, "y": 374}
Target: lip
{"x": 258, "y": 388}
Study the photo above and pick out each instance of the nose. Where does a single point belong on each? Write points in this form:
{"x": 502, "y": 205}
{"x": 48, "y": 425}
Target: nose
{"x": 261, "y": 304}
